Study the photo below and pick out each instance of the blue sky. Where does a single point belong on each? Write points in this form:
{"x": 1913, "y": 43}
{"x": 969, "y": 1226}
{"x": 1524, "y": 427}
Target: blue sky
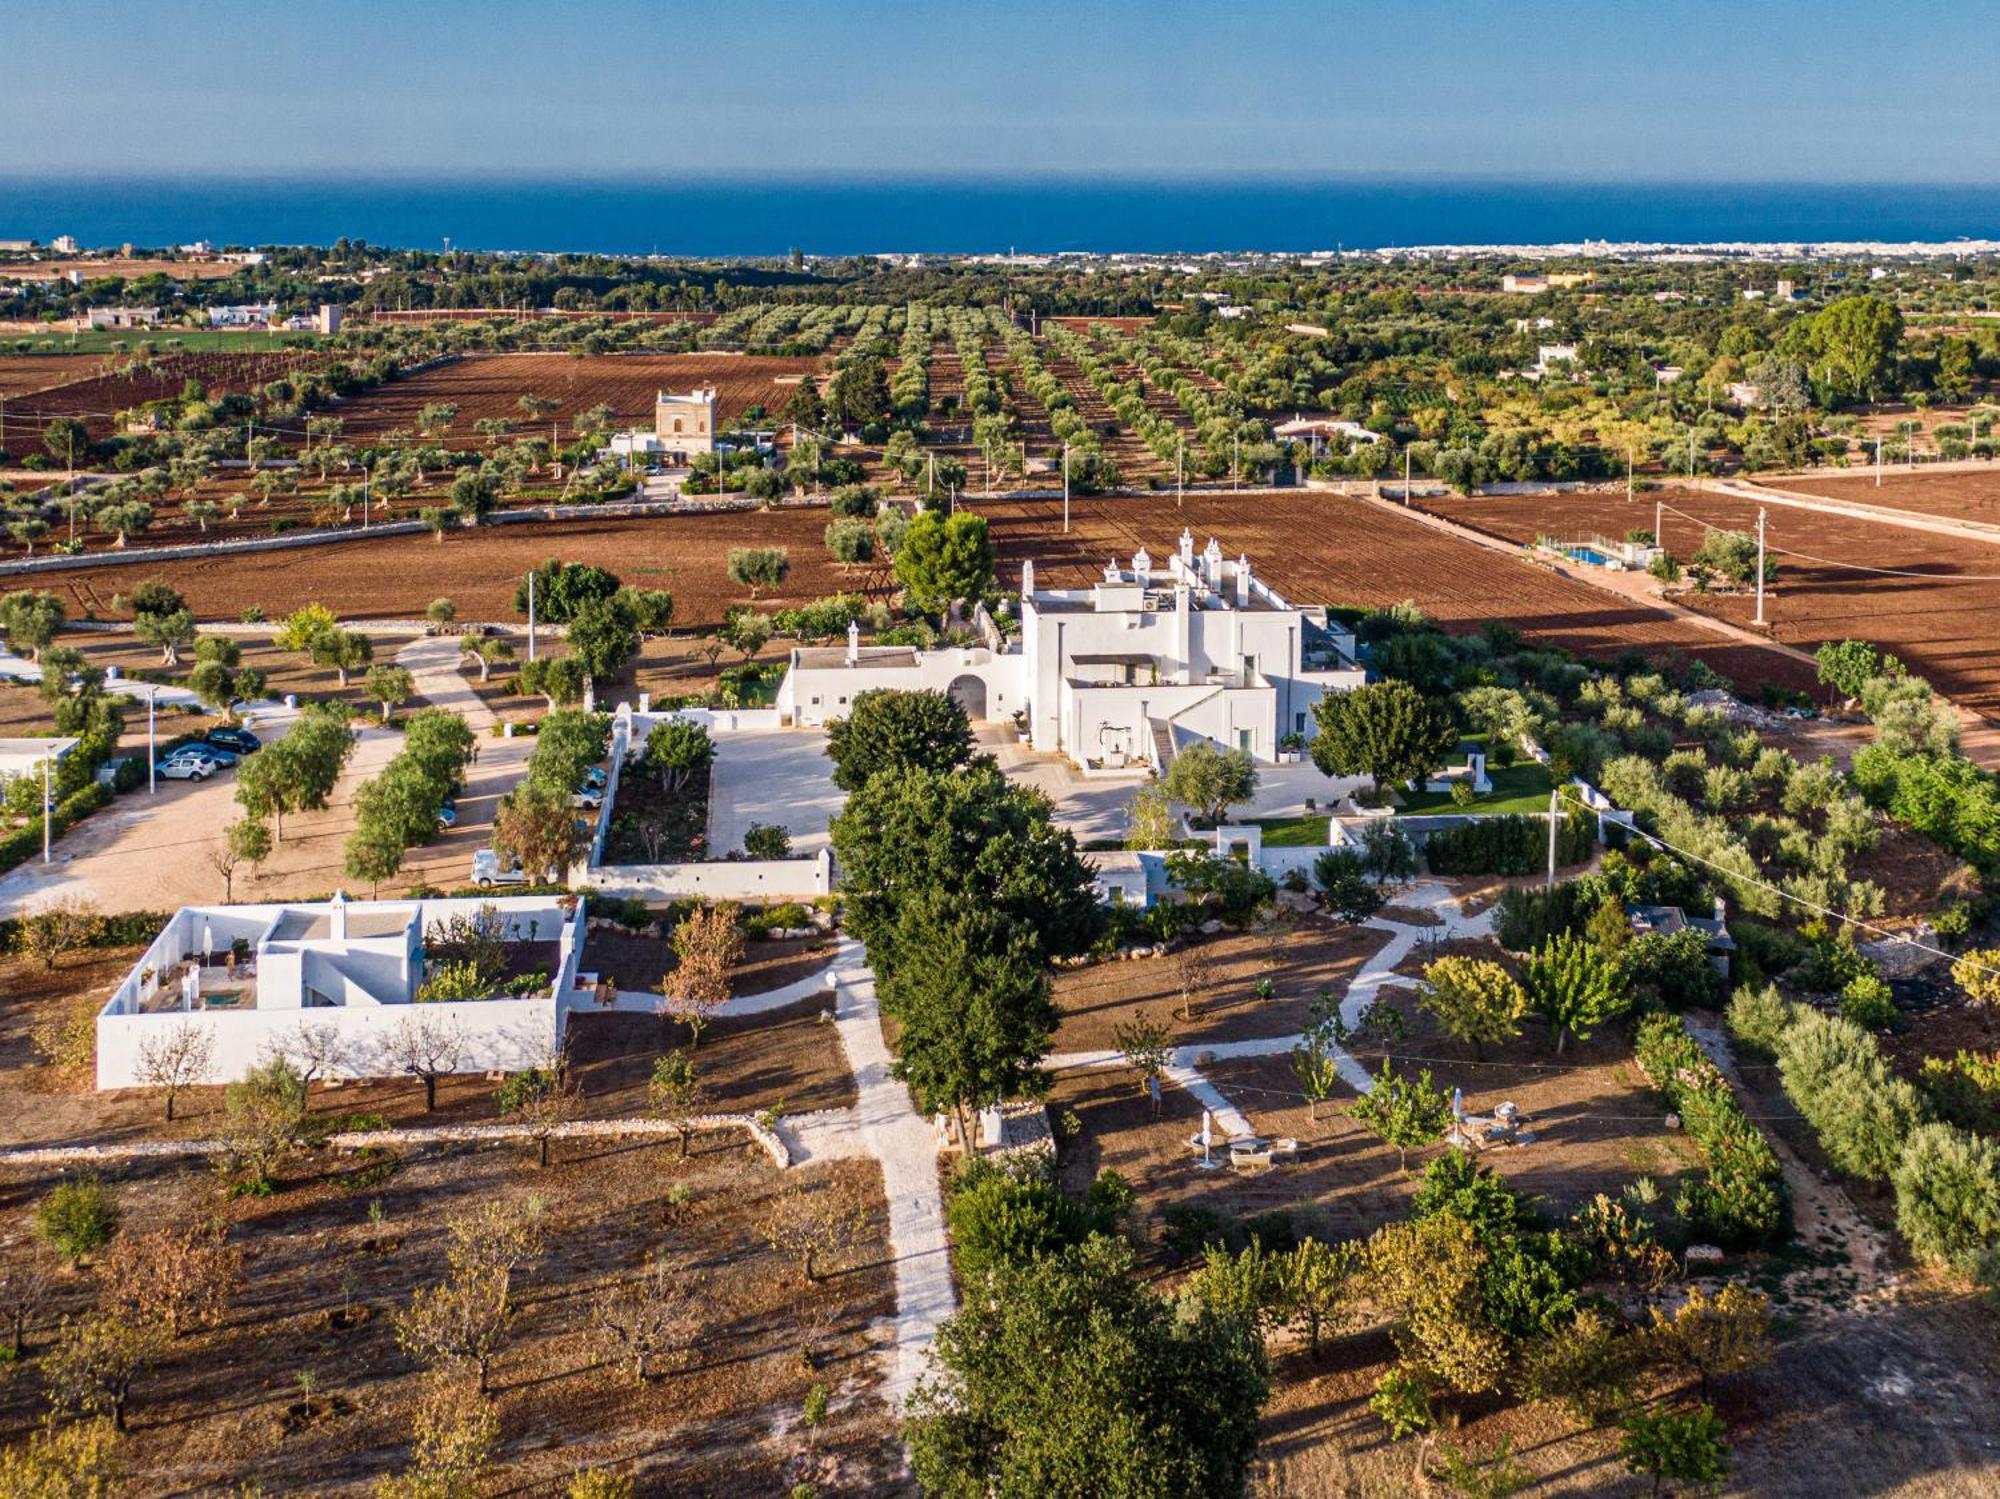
{"x": 1617, "y": 90}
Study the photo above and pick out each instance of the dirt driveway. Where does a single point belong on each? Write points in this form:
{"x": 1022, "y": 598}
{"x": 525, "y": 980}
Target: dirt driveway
{"x": 150, "y": 852}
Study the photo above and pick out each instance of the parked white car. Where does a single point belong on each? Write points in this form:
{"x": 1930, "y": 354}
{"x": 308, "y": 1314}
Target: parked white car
{"x": 186, "y": 768}
{"x": 487, "y": 872}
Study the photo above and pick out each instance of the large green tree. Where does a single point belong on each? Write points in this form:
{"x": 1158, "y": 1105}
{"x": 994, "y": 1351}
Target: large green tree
{"x": 603, "y": 638}
{"x": 971, "y": 996}
{"x": 1388, "y": 731}
{"x": 1854, "y": 343}
{"x": 890, "y": 730}
{"x": 1072, "y": 1380}
{"x": 942, "y": 559}
{"x": 299, "y": 771}
{"x": 968, "y": 832}
{"x": 562, "y": 588}
{"x": 858, "y": 392}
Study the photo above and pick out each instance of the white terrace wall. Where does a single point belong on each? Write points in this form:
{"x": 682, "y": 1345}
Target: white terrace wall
{"x": 496, "y": 1035}
{"x": 723, "y": 879}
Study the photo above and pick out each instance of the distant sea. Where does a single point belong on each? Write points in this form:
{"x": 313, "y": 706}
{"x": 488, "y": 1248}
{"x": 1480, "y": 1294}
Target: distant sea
{"x": 761, "y": 216}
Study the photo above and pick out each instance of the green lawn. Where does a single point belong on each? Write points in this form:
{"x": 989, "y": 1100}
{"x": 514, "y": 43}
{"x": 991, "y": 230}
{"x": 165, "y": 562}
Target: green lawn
{"x": 1293, "y": 832}
{"x": 1522, "y": 787}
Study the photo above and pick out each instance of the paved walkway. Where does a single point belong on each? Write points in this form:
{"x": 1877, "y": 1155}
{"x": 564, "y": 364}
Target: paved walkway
{"x": 1184, "y": 1063}
{"x": 906, "y": 1146}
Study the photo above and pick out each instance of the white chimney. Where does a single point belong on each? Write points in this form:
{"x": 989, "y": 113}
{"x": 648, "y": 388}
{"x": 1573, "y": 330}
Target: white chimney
{"x": 1187, "y": 547}
{"x": 1142, "y": 566}
{"x": 1211, "y": 564}
{"x": 853, "y": 643}
{"x": 1242, "y": 581}
{"x": 1027, "y": 580}
{"x": 337, "y": 916}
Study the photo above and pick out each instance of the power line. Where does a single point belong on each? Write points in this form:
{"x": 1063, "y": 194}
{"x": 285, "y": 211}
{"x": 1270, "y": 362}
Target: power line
{"x": 1782, "y": 894}
{"x": 1859, "y": 567}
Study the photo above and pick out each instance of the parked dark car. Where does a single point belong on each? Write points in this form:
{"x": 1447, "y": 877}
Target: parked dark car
{"x": 241, "y": 740}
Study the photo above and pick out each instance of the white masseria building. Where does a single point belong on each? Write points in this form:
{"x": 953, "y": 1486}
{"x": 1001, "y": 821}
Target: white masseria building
{"x": 251, "y": 977}
{"x": 1120, "y": 675}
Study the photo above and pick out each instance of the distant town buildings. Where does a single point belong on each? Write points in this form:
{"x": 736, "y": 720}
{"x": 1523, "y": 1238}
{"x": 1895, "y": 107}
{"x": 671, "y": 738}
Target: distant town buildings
{"x": 1552, "y": 281}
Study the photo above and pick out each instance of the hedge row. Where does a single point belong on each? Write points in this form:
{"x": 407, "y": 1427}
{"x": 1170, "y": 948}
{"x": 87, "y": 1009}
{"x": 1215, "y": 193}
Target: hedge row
{"x": 1509, "y": 844}
{"x": 1742, "y": 1205}
{"x": 25, "y": 843}
{"x": 126, "y": 929}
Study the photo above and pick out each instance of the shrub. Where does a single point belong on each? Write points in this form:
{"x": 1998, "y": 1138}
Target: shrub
{"x": 77, "y": 1219}
{"x": 1868, "y": 1002}
{"x": 1342, "y": 878}
{"x": 1757, "y": 1018}
{"x": 1948, "y": 1198}
{"x": 1742, "y": 1203}
{"x": 1835, "y": 1076}
{"x": 1964, "y": 1090}
{"x": 999, "y": 1219}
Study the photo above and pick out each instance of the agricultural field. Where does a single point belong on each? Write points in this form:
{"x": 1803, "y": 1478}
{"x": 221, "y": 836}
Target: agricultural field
{"x": 22, "y": 373}
{"x": 1941, "y": 627}
{"x": 97, "y": 399}
{"x": 332, "y": 1413}
{"x": 1326, "y": 549}
{"x": 1967, "y": 494}
{"x": 395, "y": 577}
{"x": 490, "y": 386}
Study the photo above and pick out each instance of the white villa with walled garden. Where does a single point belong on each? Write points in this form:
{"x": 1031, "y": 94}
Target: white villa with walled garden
{"x": 1120, "y": 675}
{"x": 251, "y": 976}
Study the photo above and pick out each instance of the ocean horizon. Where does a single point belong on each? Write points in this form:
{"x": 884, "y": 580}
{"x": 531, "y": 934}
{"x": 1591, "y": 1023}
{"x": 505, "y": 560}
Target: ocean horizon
{"x": 735, "y": 217}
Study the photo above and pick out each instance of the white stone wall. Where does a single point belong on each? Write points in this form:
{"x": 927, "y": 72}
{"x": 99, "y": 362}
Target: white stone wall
{"x": 495, "y": 1035}
{"x": 722, "y": 879}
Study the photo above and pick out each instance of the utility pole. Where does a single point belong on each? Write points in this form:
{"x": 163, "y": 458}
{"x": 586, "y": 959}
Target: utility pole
{"x": 1180, "y": 476}
{"x": 1659, "y": 523}
{"x": 531, "y": 614}
{"x": 1878, "y": 460}
{"x": 1065, "y": 489}
{"x": 1690, "y": 453}
{"x": 152, "y": 779}
{"x": 1555, "y": 811}
{"x": 48, "y": 801}
{"x": 1236, "y": 461}
{"x": 1760, "y": 564}
{"x": 1628, "y": 479}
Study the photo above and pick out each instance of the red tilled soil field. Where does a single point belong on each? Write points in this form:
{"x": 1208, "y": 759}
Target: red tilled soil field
{"x": 395, "y": 577}
{"x": 1324, "y": 549}
{"x": 1970, "y": 494}
{"x": 96, "y": 399}
{"x": 21, "y": 373}
{"x": 1943, "y": 628}
{"x": 491, "y": 385}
